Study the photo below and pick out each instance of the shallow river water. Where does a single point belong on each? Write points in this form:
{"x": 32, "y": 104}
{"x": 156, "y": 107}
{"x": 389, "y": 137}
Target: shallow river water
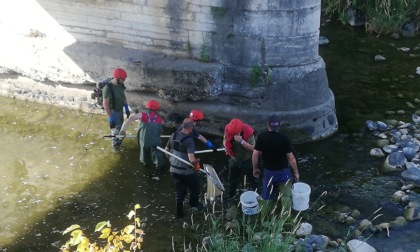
{"x": 58, "y": 170}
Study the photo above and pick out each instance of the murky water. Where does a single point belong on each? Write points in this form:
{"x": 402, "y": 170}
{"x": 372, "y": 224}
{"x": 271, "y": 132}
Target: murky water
{"x": 58, "y": 170}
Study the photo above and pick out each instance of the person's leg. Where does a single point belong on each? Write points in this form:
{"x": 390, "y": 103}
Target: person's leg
{"x": 146, "y": 156}
{"x": 234, "y": 173}
{"x": 269, "y": 194}
{"x": 195, "y": 187}
{"x": 246, "y": 166}
{"x": 286, "y": 196}
{"x": 158, "y": 158}
{"x": 180, "y": 193}
{"x": 118, "y": 120}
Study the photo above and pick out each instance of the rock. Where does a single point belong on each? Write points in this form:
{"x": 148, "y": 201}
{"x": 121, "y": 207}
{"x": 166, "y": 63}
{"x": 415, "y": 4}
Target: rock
{"x": 364, "y": 224}
{"x": 418, "y": 70}
{"x": 371, "y": 125}
{"x": 318, "y": 242}
{"x": 359, "y": 246}
{"x": 396, "y": 198}
{"x": 412, "y": 213}
{"x": 382, "y": 126}
{"x": 408, "y": 30}
{"x": 355, "y": 213}
{"x": 382, "y": 142}
{"x": 409, "y": 153}
{"x": 394, "y": 162}
{"x": 416, "y": 118}
{"x": 381, "y": 58}
{"x": 304, "y": 229}
{"x": 398, "y": 222}
{"x": 404, "y": 49}
{"x": 412, "y": 175}
{"x": 390, "y": 148}
{"x": 410, "y": 165}
{"x": 323, "y": 40}
{"x": 376, "y": 152}
{"x": 303, "y": 246}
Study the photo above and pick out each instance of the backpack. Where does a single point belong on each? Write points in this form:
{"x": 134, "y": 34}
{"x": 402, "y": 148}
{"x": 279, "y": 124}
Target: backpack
{"x": 97, "y": 92}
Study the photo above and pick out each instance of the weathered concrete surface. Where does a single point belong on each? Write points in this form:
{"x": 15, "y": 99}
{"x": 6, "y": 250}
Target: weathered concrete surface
{"x": 72, "y": 44}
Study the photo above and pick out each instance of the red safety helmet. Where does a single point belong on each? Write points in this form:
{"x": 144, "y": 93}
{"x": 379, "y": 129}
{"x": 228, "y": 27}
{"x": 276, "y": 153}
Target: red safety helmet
{"x": 196, "y": 115}
{"x": 234, "y": 126}
{"x": 120, "y": 73}
{"x": 152, "y": 105}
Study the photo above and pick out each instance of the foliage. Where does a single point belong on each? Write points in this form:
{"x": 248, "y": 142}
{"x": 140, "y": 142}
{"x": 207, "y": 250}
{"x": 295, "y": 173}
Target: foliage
{"x": 114, "y": 240}
{"x": 204, "y": 53}
{"x": 217, "y": 11}
{"x": 255, "y": 75}
{"x": 382, "y": 16}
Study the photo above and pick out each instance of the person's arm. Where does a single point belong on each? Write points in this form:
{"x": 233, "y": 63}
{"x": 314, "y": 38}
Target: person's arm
{"x": 292, "y": 162}
{"x": 248, "y": 145}
{"x": 105, "y": 103}
{"x": 255, "y": 170}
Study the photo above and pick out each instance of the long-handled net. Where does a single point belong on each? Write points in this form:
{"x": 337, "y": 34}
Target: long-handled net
{"x": 212, "y": 190}
{"x": 212, "y": 176}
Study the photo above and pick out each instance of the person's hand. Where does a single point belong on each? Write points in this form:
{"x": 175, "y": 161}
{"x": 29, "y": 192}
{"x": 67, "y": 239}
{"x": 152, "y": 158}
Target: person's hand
{"x": 256, "y": 173}
{"x": 229, "y": 153}
{"x": 111, "y": 122}
{"x": 214, "y": 149}
{"x": 209, "y": 144}
{"x": 127, "y": 112}
{"x": 296, "y": 176}
{"x": 196, "y": 164}
{"x": 238, "y": 138}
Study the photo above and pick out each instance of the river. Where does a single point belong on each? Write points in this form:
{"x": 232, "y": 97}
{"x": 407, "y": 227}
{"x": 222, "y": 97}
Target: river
{"x": 58, "y": 169}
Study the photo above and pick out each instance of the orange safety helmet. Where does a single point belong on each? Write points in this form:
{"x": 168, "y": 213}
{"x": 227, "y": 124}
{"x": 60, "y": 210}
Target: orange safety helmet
{"x": 196, "y": 115}
{"x": 152, "y": 105}
{"x": 234, "y": 126}
{"x": 120, "y": 73}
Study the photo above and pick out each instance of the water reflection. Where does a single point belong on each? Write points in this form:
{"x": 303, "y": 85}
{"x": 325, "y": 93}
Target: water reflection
{"x": 57, "y": 170}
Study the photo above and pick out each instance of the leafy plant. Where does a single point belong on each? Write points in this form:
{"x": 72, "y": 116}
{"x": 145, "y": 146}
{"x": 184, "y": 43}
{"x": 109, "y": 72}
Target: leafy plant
{"x": 255, "y": 75}
{"x": 204, "y": 53}
{"x": 114, "y": 240}
{"x": 218, "y": 11}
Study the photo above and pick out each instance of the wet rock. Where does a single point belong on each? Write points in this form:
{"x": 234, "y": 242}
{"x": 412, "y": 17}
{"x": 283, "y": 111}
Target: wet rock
{"x": 416, "y": 118}
{"x": 323, "y": 40}
{"x": 355, "y": 213}
{"x": 409, "y": 153}
{"x": 404, "y": 49}
{"x": 412, "y": 175}
{"x": 394, "y": 162}
{"x": 303, "y": 246}
{"x": 318, "y": 242}
{"x": 371, "y": 125}
{"x": 405, "y": 200}
{"x": 379, "y": 58}
{"x": 410, "y": 165}
{"x": 359, "y": 246}
{"x": 382, "y": 126}
{"x": 390, "y": 148}
{"x": 304, "y": 229}
{"x": 408, "y": 30}
{"x": 412, "y": 213}
{"x": 396, "y": 198}
{"x": 376, "y": 152}
{"x": 400, "y": 221}
{"x": 350, "y": 220}
{"x": 382, "y": 142}
{"x": 364, "y": 224}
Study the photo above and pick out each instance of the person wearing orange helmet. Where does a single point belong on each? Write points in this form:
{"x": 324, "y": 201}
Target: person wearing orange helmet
{"x": 197, "y": 116}
{"x": 148, "y": 135}
{"x": 114, "y": 100}
{"x": 239, "y": 144}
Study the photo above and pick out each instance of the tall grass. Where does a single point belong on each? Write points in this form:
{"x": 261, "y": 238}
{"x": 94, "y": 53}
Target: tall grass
{"x": 382, "y": 16}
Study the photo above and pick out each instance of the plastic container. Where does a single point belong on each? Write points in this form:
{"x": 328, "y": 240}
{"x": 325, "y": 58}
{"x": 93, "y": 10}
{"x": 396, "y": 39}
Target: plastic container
{"x": 249, "y": 203}
{"x": 300, "y": 196}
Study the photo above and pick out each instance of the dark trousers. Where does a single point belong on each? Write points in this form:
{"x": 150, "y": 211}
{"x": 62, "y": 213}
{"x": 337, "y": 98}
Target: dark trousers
{"x": 184, "y": 182}
{"x": 237, "y": 171}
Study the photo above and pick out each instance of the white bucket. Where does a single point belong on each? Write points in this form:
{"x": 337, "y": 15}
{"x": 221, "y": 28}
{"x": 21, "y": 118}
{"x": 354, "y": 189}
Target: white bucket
{"x": 300, "y": 196}
{"x": 249, "y": 203}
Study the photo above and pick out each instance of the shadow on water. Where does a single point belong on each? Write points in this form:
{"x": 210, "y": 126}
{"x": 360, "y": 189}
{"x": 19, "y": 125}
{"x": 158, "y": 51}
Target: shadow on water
{"x": 58, "y": 171}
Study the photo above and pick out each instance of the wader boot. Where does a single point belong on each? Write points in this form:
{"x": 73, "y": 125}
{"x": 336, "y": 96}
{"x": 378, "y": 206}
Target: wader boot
{"x": 180, "y": 209}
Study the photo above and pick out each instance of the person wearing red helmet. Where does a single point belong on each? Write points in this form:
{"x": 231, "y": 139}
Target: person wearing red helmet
{"x": 197, "y": 116}
{"x": 239, "y": 144}
{"x": 114, "y": 100}
{"x": 148, "y": 135}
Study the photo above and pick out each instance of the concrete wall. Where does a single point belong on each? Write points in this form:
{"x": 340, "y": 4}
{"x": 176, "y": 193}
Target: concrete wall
{"x": 161, "y": 42}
